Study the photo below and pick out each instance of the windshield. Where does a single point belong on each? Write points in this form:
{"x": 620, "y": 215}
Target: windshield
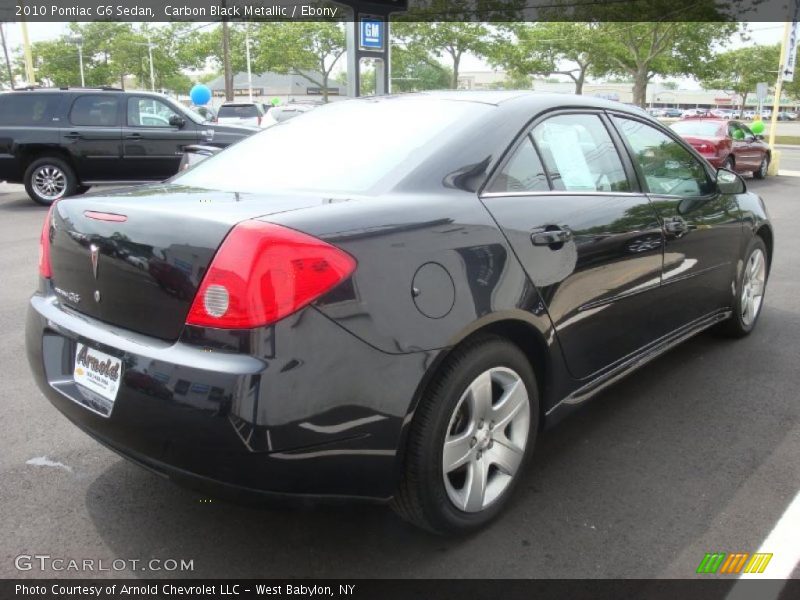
{"x": 347, "y": 146}
{"x": 700, "y": 128}
{"x": 243, "y": 111}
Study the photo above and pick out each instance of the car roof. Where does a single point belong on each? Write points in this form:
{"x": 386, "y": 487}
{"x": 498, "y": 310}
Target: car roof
{"x": 529, "y": 100}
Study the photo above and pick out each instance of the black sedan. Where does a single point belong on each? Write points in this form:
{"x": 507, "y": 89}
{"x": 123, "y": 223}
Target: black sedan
{"x": 394, "y": 305}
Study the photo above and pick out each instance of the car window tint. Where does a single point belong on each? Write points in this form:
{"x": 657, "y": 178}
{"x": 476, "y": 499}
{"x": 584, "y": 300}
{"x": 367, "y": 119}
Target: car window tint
{"x": 149, "y": 112}
{"x": 579, "y": 154}
{"x": 522, "y": 173}
{"x": 245, "y": 111}
{"x": 94, "y": 111}
{"x": 667, "y": 166}
{"x": 28, "y": 109}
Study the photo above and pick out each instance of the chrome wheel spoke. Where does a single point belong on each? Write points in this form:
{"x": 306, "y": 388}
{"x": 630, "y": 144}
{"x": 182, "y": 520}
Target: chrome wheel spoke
{"x": 505, "y": 457}
{"x": 480, "y": 395}
{"x": 457, "y": 452}
{"x": 475, "y": 487}
{"x": 758, "y": 288}
{"x": 514, "y": 399}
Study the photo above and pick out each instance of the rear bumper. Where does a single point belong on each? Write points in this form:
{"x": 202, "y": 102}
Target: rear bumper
{"x": 716, "y": 161}
{"x": 307, "y": 410}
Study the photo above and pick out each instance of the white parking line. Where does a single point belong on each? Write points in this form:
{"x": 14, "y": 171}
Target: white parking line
{"x": 782, "y": 544}
{"x": 789, "y": 173}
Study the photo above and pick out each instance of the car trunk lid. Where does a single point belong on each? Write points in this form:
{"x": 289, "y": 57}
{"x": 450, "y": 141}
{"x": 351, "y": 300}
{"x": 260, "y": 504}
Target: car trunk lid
{"x": 135, "y": 258}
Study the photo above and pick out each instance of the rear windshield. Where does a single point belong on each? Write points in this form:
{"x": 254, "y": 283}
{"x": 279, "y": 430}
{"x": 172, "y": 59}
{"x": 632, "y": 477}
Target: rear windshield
{"x": 28, "y": 109}
{"x": 701, "y": 128}
{"x": 243, "y": 111}
{"x": 355, "y": 146}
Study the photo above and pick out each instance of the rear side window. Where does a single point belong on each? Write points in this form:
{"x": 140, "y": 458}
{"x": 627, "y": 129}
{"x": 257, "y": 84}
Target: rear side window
{"x": 28, "y": 109}
{"x": 243, "y": 111}
{"x": 522, "y": 173}
{"x": 579, "y": 155}
{"x": 94, "y": 111}
{"x": 668, "y": 167}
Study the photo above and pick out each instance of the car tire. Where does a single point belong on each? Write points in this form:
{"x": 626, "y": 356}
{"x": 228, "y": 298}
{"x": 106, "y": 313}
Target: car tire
{"x": 493, "y": 439}
{"x": 48, "y": 179}
{"x": 761, "y": 172}
{"x": 751, "y": 287}
{"x": 728, "y": 164}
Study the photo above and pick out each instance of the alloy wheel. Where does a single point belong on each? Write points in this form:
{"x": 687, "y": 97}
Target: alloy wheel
{"x": 49, "y": 182}
{"x": 753, "y": 283}
{"x": 486, "y": 438}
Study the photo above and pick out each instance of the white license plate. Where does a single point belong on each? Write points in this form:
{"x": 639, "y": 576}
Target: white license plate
{"x": 100, "y": 373}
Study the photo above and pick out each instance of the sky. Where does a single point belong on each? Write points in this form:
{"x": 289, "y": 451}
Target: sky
{"x": 760, "y": 33}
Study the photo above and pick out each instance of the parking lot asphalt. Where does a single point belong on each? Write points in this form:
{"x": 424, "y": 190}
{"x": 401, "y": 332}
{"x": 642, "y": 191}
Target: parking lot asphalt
{"x": 697, "y": 452}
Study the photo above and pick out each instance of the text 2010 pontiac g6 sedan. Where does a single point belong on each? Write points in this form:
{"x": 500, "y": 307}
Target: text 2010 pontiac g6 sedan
{"x": 388, "y": 298}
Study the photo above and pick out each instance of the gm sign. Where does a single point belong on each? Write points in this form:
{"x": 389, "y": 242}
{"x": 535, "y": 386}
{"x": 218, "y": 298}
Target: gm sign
{"x": 371, "y": 34}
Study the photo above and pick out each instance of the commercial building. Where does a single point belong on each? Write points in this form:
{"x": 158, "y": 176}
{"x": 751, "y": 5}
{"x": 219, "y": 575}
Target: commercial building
{"x": 658, "y": 94}
{"x": 286, "y": 87}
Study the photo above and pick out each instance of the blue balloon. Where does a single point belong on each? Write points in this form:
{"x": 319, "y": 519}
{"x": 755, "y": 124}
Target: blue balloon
{"x": 200, "y": 94}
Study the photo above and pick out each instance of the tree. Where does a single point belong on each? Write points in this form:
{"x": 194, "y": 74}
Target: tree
{"x": 305, "y": 48}
{"x": 414, "y": 70}
{"x": 547, "y": 48}
{"x": 642, "y": 50}
{"x": 112, "y": 51}
{"x": 9, "y": 70}
{"x": 439, "y": 39}
{"x": 739, "y": 71}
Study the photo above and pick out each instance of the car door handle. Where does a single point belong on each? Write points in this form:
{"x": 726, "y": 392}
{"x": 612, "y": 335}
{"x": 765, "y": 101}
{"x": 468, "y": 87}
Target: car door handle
{"x": 133, "y": 136}
{"x": 551, "y": 236}
{"x": 73, "y": 135}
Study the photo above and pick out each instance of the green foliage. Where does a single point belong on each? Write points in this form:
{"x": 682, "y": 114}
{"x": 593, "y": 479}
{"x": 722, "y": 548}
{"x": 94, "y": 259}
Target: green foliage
{"x": 740, "y": 70}
{"x": 112, "y": 51}
{"x": 643, "y": 50}
{"x": 309, "y": 49}
{"x": 449, "y": 39}
{"x": 413, "y": 71}
{"x": 546, "y": 48}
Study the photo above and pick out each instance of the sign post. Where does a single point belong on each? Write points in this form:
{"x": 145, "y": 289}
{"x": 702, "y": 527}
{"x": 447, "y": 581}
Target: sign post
{"x": 367, "y": 37}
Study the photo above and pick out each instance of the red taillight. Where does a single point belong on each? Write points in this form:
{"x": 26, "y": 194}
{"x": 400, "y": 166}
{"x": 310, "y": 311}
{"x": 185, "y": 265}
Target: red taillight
{"x": 263, "y": 273}
{"x": 44, "y": 245}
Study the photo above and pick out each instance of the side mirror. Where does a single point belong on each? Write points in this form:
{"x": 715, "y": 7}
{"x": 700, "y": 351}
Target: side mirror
{"x": 729, "y": 182}
{"x": 176, "y": 121}
{"x": 760, "y": 137}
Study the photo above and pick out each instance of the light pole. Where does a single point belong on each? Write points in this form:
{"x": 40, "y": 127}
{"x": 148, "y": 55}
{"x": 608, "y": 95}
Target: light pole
{"x": 78, "y": 41}
{"x": 150, "y": 55}
{"x": 149, "y": 45}
{"x": 249, "y": 72}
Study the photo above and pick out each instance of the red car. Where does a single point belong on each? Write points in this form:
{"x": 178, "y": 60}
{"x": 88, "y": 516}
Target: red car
{"x": 728, "y": 144}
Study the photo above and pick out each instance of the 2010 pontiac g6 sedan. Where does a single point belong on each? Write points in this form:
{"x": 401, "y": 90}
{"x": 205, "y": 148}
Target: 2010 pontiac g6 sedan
{"x": 388, "y": 298}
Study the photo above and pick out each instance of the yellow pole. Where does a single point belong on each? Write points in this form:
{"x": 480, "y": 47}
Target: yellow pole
{"x": 26, "y": 43}
{"x": 776, "y": 103}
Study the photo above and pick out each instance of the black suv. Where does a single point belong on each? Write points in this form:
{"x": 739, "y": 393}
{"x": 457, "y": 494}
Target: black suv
{"x": 61, "y": 141}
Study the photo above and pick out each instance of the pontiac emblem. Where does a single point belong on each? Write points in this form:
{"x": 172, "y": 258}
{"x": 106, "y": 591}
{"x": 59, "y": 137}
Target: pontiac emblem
{"x": 95, "y": 258}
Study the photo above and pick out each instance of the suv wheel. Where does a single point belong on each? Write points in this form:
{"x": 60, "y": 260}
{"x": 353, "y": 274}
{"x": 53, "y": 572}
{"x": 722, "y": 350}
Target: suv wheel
{"x": 48, "y": 179}
{"x": 472, "y": 435}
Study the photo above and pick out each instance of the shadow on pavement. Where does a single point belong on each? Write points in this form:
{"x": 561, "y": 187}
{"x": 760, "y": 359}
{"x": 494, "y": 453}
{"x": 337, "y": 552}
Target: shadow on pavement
{"x": 618, "y": 489}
